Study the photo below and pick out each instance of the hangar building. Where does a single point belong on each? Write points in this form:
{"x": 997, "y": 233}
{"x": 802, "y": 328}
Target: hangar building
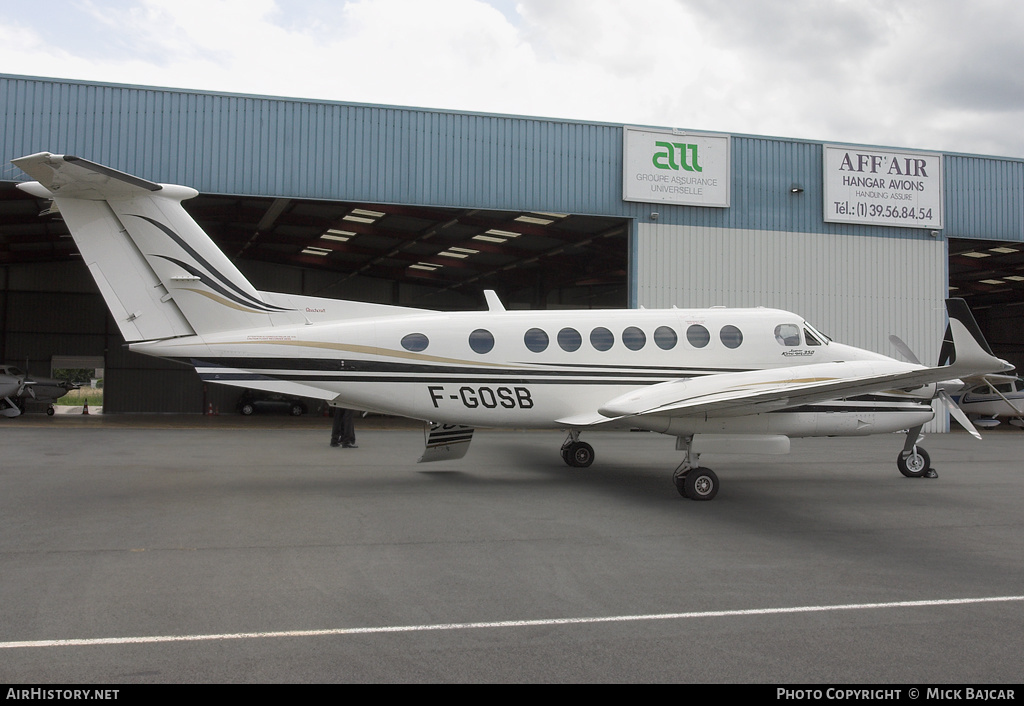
{"x": 429, "y": 208}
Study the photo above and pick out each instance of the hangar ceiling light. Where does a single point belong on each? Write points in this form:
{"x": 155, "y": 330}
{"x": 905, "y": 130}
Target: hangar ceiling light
{"x": 454, "y": 251}
{"x": 535, "y": 220}
{"x": 340, "y": 235}
{"x": 494, "y": 235}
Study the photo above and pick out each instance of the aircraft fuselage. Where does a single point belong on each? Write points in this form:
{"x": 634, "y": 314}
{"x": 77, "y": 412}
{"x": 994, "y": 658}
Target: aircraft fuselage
{"x": 544, "y": 369}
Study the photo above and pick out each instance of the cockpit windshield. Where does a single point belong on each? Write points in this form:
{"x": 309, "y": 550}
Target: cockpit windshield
{"x": 815, "y": 337}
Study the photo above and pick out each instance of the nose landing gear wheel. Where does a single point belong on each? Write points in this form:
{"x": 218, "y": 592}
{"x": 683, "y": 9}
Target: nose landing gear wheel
{"x": 915, "y": 464}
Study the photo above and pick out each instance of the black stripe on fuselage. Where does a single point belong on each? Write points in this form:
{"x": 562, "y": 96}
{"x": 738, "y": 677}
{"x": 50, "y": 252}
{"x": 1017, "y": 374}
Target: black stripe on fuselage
{"x": 349, "y": 366}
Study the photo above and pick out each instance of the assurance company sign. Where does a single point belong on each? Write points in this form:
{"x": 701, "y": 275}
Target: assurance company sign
{"x": 879, "y": 187}
{"x": 685, "y": 168}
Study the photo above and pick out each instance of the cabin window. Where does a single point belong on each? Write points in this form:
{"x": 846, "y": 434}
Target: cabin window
{"x": 536, "y": 340}
{"x": 986, "y": 389}
{"x": 569, "y": 340}
{"x": 415, "y": 342}
{"x": 481, "y": 341}
{"x": 787, "y": 334}
{"x": 731, "y": 336}
{"x": 633, "y": 338}
{"x": 698, "y": 336}
{"x": 602, "y": 339}
{"x": 665, "y": 338}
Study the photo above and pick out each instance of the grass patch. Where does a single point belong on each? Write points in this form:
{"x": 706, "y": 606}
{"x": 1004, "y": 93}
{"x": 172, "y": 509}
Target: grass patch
{"x": 77, "y": 398}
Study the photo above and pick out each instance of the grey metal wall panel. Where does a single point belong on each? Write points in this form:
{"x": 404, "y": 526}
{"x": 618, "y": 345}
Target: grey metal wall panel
{"x": 857, "y": 290}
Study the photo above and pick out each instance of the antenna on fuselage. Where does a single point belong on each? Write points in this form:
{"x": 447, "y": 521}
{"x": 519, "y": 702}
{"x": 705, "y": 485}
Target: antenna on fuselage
{"x": 493, "y": 302}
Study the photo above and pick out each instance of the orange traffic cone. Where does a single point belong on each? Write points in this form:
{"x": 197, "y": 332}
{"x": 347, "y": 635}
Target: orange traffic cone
{"x": 209, "y": 409}
{"x": 85, "y": 407}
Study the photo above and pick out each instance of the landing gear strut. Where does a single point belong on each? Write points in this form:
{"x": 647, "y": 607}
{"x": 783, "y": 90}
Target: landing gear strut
{"x": 691, "y": 480}
{"x": 576, "y": 453}
{"x": 913, "y": 461}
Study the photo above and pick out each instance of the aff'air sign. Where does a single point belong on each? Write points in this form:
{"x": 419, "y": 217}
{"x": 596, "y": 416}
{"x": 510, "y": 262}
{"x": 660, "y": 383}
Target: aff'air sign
{"x": 880, "y": 187}
{"x": 691, "y": 169}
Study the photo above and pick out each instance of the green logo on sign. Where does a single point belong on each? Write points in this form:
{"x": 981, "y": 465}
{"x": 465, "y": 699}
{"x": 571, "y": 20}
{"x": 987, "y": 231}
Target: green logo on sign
{"x": 687, "y": 157}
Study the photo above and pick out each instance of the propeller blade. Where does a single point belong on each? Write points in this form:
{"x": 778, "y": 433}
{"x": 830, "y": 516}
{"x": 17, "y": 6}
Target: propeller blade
{"x": 957, "y": 413}
{"x": 26, "y": 386}
{"x": 10, "y": 410}
{"x": 904, "y": 349}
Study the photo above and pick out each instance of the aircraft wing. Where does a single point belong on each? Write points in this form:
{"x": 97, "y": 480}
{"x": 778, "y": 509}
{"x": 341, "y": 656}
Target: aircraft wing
{"x": 757, "y": 391}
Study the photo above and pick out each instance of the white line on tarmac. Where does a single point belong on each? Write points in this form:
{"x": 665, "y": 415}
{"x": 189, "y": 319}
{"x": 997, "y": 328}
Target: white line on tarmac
{"x": 502, "y": 623}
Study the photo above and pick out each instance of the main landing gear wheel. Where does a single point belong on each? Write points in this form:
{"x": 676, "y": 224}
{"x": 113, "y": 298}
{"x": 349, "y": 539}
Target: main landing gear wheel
{"x": 691, "y": 480}
{"x": 578, "y": 454}
{"x": 915, "y": 464}
{"x": 700, "y": 484}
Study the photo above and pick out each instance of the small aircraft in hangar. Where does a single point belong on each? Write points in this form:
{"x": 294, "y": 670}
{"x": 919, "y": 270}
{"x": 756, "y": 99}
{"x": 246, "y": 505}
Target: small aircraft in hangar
{"x": 16, "y": 387}
{"x": 716, "y": 379}
{"x": 998, "y": 396}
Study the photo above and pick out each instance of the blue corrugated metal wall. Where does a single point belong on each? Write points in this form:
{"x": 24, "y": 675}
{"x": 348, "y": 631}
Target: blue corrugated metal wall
{"x": 235, "y": 144}
{"x": 984, "y": 198}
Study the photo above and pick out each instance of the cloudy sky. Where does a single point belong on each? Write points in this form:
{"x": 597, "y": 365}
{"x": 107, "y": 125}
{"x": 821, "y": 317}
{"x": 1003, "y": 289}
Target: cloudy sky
{"x": 931, "y": 74}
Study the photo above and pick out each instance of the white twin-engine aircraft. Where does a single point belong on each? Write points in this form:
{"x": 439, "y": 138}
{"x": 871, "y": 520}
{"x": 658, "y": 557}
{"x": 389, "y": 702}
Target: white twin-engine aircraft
{"x": 727, "y": 380}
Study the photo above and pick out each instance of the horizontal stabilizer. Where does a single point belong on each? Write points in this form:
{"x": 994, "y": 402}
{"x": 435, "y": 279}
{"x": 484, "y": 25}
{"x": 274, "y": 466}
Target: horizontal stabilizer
{"x": 74, "y": 177}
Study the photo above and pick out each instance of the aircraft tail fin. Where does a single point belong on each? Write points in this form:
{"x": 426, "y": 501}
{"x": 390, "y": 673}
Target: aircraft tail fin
{"x": 160, "y": 274}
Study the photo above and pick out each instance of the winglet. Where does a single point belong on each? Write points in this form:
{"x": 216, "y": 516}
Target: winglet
{"x": 958, "y": 309}
{"x": 970, "y": 353}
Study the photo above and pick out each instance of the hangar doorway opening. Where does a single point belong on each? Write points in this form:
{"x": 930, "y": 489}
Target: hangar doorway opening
{"x": 989, "y": 275}
{"x": 429, "y": 257}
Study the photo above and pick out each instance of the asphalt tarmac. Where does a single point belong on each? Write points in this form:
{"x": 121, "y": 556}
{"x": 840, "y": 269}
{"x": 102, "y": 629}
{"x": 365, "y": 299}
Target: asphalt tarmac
{"x": 199, "y": 550}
